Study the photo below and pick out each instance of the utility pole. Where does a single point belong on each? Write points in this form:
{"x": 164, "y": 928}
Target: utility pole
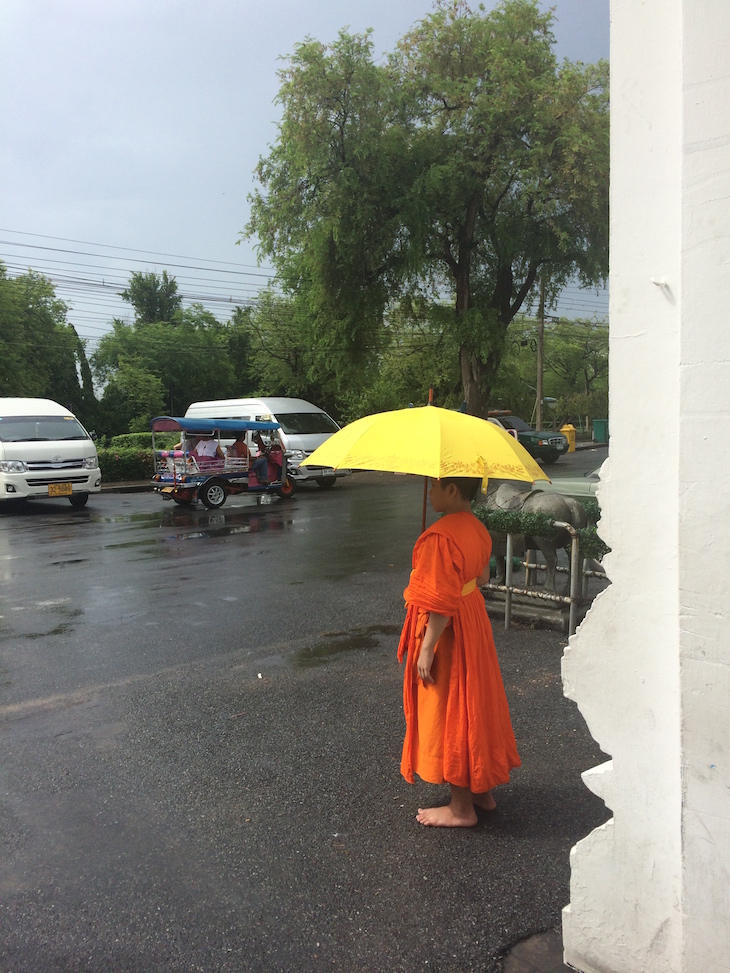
{"x": 540, "y": 352}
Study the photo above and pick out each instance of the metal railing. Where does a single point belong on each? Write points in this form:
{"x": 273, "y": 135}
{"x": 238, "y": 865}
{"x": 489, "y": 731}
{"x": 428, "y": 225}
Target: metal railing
{"x": 578, "y": 579}
{"x": 177, "y": 463}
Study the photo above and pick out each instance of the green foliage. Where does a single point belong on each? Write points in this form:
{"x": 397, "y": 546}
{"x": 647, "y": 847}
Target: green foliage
{"x": 514, "y": 522}
{"x": 150, "y": 368}
{"x": 592, "y": 509}
{"x": 576, "y": 370}
{"x": 413, "y": 353}
{"x": 283, "y": 340}
{"x": 591, "y": 544}
{"x": 143, "y": 440}
{"x": 538, "y": 525}
{"x": 40, "y": 352}
{"x": 329, "y": 186}
{"x": 417, "y": 352}
{"x": 125, "y": 464}
{"x": 154, "y": 298}
{"x": 469, "y": 165}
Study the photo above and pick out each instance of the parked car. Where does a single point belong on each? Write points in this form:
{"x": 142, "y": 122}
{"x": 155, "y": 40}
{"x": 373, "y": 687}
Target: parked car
{"x": 543, "y": 444}
{"x": 45, "y": 452}
{"x": 577, "y": 487}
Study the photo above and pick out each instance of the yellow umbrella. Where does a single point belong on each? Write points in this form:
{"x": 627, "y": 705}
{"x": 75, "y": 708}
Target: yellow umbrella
{"x": 431, "y": 442}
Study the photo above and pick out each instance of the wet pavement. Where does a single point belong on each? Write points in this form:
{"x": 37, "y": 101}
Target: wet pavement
{"x": 201, "y": 725}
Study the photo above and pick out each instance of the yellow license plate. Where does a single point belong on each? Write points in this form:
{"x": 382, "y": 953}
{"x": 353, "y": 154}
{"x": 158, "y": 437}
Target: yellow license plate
{"x": 59, "y": 489}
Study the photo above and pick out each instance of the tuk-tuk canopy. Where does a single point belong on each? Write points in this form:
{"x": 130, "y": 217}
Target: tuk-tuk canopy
{"x": 209, "y": 427}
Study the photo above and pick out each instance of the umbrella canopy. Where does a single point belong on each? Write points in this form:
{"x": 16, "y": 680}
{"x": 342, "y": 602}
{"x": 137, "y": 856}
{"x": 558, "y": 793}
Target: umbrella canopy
{"x": 428, "y": 441}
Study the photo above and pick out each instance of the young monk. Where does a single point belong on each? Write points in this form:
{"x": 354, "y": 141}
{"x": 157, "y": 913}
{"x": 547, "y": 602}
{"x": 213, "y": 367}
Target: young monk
{"x": 458, "y": 729}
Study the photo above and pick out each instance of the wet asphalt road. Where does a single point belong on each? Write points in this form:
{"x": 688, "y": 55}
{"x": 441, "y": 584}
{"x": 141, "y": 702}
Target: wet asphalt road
{"x": 200, "y": 723}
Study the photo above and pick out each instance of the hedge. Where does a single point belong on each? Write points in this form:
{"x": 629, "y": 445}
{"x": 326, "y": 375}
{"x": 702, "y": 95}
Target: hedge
{"x": 125, "y": 464}
{"x": 143, "y": 440}
{"x": 538, "y": 525}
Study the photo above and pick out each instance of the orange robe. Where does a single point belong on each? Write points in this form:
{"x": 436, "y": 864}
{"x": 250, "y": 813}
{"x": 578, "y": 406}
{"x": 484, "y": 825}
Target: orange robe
{"x": 458, "y": 730}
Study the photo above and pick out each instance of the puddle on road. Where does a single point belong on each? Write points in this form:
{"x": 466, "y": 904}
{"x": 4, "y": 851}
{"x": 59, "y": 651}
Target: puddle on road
{"x": 214, "y": 524}
{"x": 187, "y": 515}
{"x": 336, "y": 642}
{"x": 26, "y": 615}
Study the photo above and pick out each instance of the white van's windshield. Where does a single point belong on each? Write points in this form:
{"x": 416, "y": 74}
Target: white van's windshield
{"x": 40, "y": 429}
{"x": 305, "y": 423}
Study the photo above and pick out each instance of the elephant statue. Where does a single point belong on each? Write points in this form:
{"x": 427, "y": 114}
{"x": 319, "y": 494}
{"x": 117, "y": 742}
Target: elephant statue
{"x": 524, "y": 499}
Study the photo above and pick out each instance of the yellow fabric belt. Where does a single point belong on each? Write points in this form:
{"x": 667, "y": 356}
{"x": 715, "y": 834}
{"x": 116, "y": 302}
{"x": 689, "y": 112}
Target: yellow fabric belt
{"x": 469, "y": 586}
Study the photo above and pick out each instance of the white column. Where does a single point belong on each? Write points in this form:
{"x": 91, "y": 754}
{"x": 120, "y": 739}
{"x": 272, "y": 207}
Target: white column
{"x": 704, "y": 494}
{"x": 650, "y": 666}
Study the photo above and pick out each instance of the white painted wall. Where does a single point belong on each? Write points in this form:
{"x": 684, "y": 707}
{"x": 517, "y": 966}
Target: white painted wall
{"x": 650, "y": 666}
{"x": 704, "y": 495}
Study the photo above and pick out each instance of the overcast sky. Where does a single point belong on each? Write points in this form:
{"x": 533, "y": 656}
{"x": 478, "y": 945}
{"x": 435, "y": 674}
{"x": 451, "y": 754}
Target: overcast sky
{"x": 135, "y": 126}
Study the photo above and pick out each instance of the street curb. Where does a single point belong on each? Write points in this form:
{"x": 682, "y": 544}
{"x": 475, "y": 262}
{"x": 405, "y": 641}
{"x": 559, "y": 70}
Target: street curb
{"x": 125, "y": 487}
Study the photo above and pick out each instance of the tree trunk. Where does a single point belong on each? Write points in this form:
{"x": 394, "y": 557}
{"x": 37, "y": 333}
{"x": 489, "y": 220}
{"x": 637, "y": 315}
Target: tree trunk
{"x": 472, "y": 380}
{"x": 477, "y": 375}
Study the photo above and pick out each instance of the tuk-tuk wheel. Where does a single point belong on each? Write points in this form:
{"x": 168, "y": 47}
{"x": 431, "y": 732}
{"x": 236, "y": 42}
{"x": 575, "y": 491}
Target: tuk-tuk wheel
{"x": 286, "y": 489}
{"x": 212, "y": 494}
{"x": 326, "y": 482}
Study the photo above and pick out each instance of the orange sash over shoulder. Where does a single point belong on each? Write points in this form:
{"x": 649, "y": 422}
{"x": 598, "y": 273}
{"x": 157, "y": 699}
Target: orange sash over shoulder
{"x": 458, "y": 729}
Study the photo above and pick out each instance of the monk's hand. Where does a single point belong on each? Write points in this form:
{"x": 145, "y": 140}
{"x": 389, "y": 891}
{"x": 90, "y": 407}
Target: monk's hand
{"x": 425, "y": 661}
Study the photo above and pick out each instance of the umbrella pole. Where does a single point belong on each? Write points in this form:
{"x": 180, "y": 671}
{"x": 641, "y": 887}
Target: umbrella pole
{"x": 425, "y": 479}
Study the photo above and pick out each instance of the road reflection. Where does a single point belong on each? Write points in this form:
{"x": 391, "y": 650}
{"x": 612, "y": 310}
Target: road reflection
{"x": 188, "y": 525}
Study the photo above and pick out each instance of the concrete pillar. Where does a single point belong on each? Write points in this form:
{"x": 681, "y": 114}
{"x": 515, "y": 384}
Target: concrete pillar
{"x": 650, "y": 666}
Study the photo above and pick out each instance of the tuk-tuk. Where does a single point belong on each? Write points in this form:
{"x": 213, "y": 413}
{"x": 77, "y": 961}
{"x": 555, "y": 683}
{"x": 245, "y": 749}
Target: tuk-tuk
{"x": 184, "y": 475}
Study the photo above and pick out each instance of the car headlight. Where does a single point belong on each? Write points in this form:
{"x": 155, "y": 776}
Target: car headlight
{"x": 13, "y": 466}
{"x": 296, "y": 454}
{"x": 90, "y": 463}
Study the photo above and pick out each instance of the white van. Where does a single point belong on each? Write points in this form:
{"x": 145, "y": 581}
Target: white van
{"x": 45, "y": 452}
{"x": 304, "y": 427}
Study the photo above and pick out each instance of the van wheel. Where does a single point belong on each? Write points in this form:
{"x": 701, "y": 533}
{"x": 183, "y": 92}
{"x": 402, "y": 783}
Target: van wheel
{"x": 78, "y": 500}
{"x": 287, "y": 489}
{"x": 212, "y": 494}
{"x": 326, "y": 482}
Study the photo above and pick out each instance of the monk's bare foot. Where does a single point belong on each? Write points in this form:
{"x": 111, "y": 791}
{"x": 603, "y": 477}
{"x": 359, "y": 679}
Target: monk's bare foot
{"x": 484, "y": 801}
{"x": 446, "y": 817}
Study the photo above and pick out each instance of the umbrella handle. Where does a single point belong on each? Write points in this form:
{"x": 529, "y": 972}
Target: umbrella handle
{"x": 425, "y": 479}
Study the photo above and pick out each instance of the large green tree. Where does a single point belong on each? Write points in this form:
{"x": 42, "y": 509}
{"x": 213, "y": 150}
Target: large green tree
{"x": 40, "y": 352}
{"x": 469, "y": 166}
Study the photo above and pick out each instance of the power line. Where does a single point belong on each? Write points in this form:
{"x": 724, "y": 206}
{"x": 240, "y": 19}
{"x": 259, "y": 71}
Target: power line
{"x": 91, "y": 287}
{"x": 90, "y": 281}
{"x": 112, "y": 246}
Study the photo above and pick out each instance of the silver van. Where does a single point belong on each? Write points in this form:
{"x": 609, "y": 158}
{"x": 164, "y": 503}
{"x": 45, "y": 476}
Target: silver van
{"x": 304, "y": 427}
{"x": 45, "y": 452}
